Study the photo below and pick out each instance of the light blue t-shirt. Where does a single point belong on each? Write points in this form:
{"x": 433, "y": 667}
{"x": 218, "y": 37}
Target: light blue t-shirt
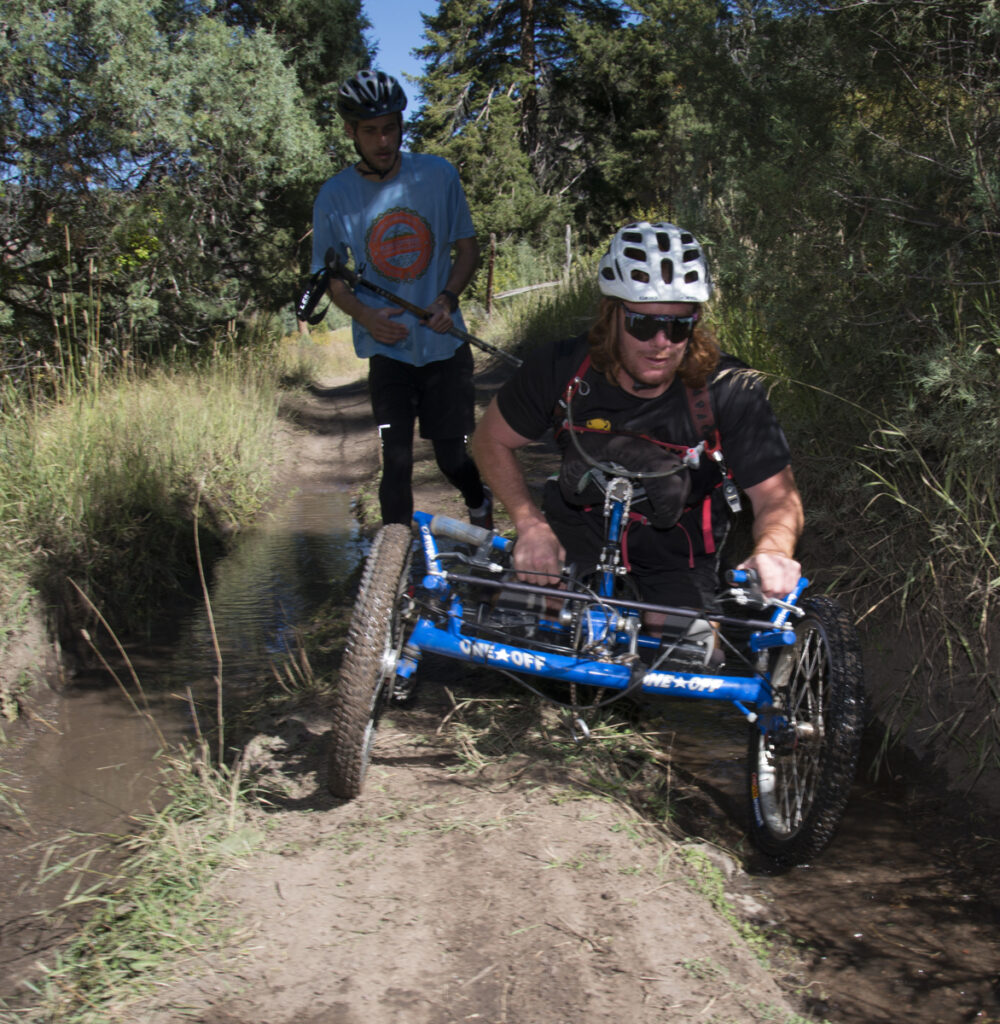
{"x": 399, "y": 234}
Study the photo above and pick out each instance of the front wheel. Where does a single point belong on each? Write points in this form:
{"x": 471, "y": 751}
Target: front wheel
{"x": 802, "y": 766}
{"x": 374, "y": 639}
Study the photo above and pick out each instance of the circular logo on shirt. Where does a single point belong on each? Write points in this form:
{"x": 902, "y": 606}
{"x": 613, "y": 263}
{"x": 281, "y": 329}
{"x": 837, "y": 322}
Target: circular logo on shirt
{"x": 400, "y": 245}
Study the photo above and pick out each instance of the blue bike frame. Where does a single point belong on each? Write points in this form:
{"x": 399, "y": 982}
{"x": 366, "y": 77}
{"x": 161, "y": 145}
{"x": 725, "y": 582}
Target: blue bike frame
{"x": 611, "y": 622}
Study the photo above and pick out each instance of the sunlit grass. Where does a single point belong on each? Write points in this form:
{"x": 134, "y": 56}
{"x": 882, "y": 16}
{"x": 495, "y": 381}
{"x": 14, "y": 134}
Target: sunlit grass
{"x": 521, "y": 322}
{"x": 319, "y": 356}
{"x": 104, "y": 470}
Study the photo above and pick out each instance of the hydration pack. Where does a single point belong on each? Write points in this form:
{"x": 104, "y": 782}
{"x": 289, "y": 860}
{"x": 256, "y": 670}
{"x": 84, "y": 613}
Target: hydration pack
{"x": 662, "y": 466}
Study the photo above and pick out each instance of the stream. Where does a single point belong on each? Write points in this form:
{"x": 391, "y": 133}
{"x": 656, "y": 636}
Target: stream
{"x": 91, "y": 768}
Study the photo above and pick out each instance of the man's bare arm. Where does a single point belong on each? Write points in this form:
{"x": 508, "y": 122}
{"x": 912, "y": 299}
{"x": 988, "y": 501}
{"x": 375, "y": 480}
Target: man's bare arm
{"x": 777, "y": 526}
{"x": 464, "y": 264}
{"x": 538, "y": 552}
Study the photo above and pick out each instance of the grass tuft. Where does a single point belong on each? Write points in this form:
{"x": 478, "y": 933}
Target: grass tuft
{"x": 105, "y": 466}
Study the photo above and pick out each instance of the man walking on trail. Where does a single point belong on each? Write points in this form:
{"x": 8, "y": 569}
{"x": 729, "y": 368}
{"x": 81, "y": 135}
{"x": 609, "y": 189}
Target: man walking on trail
{"x": 631, "y": 386}
{"x": 400, "y": 215}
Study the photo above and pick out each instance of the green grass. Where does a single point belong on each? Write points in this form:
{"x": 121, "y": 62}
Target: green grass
{"x": 319, "y": 355}
{"x": 708, "y": 881}
{"x": 105, "y": 468}
{"x": 523, "y": 321}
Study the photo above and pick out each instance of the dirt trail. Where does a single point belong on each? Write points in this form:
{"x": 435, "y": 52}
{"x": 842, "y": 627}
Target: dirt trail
{"x": 459, "y": 887}
{"x": 512, "y": 893}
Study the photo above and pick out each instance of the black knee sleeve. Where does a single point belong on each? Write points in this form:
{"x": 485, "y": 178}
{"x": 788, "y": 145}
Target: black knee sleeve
{"x": 395, "y": 490}
{"x": 458, "y": 468}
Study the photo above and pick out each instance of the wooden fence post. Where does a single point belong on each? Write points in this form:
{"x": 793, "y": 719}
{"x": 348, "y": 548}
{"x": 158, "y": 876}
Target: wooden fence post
{"x": 489, "y": 274}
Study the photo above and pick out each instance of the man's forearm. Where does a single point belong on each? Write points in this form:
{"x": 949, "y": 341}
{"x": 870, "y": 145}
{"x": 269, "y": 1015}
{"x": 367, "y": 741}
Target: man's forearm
{"x": 346, "y": 301}
{"x": 777, "y": 515}
{"x": 538, "y": 555}
{"x": 776, "y": 533}
{"x": 499, "y": 467}
{"x": 463, "y": 266}
{"x": 493, "y": 446}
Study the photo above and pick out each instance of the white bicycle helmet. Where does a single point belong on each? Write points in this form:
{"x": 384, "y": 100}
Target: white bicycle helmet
{"x": 655, "y": 263}
{"x": 370, "y": 94}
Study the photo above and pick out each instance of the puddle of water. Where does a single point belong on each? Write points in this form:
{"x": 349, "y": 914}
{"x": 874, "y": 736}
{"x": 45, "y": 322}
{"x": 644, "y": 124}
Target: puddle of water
{"x": 896, "y": 922}
{"x": 86, "y": 778}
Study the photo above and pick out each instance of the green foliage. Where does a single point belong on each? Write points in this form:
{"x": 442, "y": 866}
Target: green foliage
{"x": 323, "y": 41}
{"x": 177, "y": 192}
{"x": 494, "y": 106}
{"x": 627, "y": 106}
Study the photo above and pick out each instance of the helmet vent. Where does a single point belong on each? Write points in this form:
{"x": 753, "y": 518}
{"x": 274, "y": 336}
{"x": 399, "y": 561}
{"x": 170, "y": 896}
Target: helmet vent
{"x": 640, "y": 275}
{"x": 691, "y": 254}
{"x": 687, "y": 238}
{"x": 639, "y": 255}
{"x": 667, "y": 271}
{"x": 663, "y": 241}
{"x": 633, "y": 236}
{"x": 607, "y": 273}
{"x": 691, "y": 277}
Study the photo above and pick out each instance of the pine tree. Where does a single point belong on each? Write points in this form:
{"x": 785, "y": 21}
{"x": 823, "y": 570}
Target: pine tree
{"x": 323, "y": 41}
{"x": 493, "y": 71}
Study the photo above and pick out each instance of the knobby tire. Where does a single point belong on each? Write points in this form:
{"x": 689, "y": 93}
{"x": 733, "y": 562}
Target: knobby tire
{"x": 373, "y": 642}
{"x": 797, "y": 796}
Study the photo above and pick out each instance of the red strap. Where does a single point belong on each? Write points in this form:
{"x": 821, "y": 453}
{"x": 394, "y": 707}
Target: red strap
{"x": 633, "y": 517}
{"x": 574, "y": 382}
{"x": 707, "y": 537}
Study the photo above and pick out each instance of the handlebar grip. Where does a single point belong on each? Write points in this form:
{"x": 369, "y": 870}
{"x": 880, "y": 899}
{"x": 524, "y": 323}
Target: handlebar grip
{"x": 445, "y": 526}
{"x": 740, "y": 576}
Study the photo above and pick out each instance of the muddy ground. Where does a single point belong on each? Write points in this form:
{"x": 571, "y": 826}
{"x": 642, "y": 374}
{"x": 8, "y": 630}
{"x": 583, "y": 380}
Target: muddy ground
{"x": 464, "y": 885}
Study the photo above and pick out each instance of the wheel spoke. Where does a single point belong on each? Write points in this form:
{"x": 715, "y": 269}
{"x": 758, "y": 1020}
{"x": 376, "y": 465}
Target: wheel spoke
{"x": 801, "y": 773}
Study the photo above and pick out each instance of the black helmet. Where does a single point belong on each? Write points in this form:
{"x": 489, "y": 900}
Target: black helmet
{"x": 370, "y": 94}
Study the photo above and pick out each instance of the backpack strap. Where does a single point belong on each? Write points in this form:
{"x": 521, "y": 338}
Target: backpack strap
{"x": 573, "y": 384}
{"x": 703, "y": 418}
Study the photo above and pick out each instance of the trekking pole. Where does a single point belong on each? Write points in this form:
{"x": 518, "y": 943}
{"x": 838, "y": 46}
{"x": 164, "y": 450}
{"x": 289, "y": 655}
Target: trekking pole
{"x": 335, "y": 268}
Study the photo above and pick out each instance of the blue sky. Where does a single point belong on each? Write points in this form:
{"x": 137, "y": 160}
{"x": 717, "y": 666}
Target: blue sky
{"x": 397, "y": 29}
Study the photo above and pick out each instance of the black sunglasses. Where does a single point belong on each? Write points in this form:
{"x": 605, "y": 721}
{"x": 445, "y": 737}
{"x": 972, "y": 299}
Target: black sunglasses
{"x": 644, "y": 326}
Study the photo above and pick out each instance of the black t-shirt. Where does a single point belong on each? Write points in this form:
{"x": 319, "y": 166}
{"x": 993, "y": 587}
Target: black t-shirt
{"x": 753, "y": 443}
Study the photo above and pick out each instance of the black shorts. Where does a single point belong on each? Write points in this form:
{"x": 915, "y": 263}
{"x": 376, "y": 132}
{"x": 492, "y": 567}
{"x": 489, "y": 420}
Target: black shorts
{"x": 660, "y": 574}
{"x": 439, "y": 394}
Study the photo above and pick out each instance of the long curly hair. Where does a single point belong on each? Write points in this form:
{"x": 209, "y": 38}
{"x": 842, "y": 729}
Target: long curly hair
{"x": 700, "y": 359}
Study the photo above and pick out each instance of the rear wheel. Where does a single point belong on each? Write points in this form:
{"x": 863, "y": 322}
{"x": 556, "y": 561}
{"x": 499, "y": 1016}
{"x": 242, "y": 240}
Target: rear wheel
{"x": 374, "y": 640}
{"x": 801, "y": 772}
